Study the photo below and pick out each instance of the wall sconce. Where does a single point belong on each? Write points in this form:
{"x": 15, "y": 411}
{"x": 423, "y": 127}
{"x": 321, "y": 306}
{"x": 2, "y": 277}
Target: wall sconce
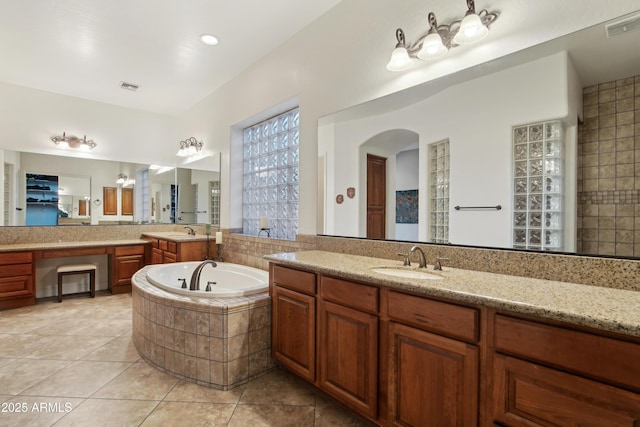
{"x": 189, "y": 147}
{"x": 73, "y": 141}
{"x": 121, "y": 179}
{"x": 437, "y": 41}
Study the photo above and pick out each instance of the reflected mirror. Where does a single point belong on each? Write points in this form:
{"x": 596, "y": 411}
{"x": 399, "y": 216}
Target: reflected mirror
{"x": 57, "y": 190}
{"x": 534, "y": 151}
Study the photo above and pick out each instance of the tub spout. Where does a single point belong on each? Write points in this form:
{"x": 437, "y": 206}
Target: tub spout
{"x": 194, "y": 284}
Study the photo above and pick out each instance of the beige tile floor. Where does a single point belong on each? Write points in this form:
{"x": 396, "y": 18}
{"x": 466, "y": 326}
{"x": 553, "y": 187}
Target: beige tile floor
{"x": 74, "y": 364}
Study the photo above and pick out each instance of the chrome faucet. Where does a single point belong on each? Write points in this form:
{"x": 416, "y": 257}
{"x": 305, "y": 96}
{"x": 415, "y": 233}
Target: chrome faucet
{"x": 422, "y": 258}
{"x": 194, "y": 284}
{"x": 438, "y": 264}
{"x": 190, "y": 231}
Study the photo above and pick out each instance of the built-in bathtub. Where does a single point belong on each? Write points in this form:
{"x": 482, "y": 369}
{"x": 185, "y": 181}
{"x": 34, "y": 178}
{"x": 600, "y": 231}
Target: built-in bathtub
{"x": 225, "y": 280}
{"x": 220, "y": 338}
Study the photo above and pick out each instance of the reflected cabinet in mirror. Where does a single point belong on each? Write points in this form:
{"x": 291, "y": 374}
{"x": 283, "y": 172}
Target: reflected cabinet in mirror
{"x": 537, "y": 150}
{"x": 42, "y": 189}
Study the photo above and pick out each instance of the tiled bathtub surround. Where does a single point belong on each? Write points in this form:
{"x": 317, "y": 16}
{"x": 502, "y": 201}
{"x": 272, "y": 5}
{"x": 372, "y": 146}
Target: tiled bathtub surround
{"x": 217, "y": 342}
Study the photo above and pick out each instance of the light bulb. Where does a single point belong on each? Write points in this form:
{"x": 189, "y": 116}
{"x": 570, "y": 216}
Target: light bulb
{"x": 471, "y": 30}
{"x": 400, "y": 60}
{"x": 432, "y": 47}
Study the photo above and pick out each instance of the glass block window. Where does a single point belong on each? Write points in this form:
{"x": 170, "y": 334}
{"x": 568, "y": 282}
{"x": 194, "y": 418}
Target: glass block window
{"x": 537, "y": 186}
{"x": 142, "y": 211}
{"x": 7, "y": 194}
{"x": 214, "y": 190}
{"x": 270, "y": 184}
{"x": 439, "y": 191}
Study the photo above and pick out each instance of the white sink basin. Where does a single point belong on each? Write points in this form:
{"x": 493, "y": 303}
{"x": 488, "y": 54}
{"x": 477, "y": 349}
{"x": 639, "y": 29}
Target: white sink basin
{"x": 407, "y": 274}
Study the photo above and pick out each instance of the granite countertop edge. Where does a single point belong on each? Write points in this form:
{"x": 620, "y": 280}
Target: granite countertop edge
{"x": 598, "y": 307}
{"x": 11, "y": 247}
{"x": 177, "y": 237}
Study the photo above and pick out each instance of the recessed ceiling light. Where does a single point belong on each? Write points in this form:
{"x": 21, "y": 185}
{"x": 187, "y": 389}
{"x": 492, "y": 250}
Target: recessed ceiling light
{"x": 209, "y": 39}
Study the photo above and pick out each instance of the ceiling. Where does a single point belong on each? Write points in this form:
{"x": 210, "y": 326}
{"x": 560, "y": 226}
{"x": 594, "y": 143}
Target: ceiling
{"x": 85, "y": 48}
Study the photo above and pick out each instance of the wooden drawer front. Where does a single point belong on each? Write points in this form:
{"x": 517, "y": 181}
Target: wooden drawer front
{"x": 162, "y": 244}
{"x": 351, "y": 294}
{"x": 16, "y": 286}
{"x": 129, "y": 250}
{"x": 126, "y": 266}
{"x": 527, "y": 394}
{"x": 172, "y": 247}
{"x": 606, "y": 359}
{"x": 169, "y": 258}
{"x": 60, "y": 253}
{"x": 15, "y": 258}
{"x": 16, "y": 270}
{"x": 295, "y": 279}
{"x": 441, "y": 317}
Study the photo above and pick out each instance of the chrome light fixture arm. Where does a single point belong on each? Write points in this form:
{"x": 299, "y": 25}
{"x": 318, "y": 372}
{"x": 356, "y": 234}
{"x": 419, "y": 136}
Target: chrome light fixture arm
{"x": 446, "y": 32}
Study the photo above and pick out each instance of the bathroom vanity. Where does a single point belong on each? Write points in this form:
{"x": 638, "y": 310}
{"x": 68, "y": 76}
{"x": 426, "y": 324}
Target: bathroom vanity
{"x": 18, "y": 263}
{"x": 458, "y": 348}
{"x": 170, "y": 246}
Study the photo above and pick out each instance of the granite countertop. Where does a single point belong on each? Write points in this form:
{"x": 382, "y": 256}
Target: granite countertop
{"x": 598, "y": 307}
{"x": 177, "y": 236}
{"x": 70, "y": 245}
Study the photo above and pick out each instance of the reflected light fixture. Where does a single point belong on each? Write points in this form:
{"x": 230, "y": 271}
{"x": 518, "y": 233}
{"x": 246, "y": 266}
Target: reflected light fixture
{"x": 121, "y": 179}
{"x": 72, "y": 141}
{"x": 189, "y": 147}
{"x": 438, "y": 39}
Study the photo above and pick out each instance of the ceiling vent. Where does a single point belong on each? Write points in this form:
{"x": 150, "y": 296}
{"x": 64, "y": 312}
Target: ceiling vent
{"x": 129, "y": 86}
{"x": 623, "y": 26}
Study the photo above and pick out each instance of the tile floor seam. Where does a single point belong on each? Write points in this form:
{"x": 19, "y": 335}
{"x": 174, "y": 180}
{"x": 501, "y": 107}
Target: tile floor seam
{"x": 196, "y": 404}
{"x": 149, "y": 414}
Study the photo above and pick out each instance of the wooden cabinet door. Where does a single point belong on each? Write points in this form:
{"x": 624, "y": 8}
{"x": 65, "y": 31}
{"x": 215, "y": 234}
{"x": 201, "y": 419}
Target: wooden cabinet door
{"x": 169, "y": 257}
{"x": 433, "y": 380}
{"x": 127, "y": 201}
{"x": 348, "y": 352}
{"x": 156, "y": 256}
{"x": 293, "y": 331}
{"x": 528, "y": 394}
{"x": 110, "y": 202}
{"x": 124, "y": 267}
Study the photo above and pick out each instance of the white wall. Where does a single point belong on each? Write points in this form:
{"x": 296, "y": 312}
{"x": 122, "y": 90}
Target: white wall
{"x": 477, "y": 117}
{"x": 334, "y": 63}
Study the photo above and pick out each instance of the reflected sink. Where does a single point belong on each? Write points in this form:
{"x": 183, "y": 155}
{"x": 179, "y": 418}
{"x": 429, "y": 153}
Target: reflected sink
{"x": 407, "y": 274}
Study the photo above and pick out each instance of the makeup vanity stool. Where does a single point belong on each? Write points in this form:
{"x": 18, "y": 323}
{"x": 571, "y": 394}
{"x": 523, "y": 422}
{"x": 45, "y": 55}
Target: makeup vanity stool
{"x": 67, "y": 270}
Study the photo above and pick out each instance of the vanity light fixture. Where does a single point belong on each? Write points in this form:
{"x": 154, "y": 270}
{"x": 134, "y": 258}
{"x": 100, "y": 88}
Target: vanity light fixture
{"x": 189, "y": 147}
{"x": 438, "y": 39}
{"x": 72, "y": 141}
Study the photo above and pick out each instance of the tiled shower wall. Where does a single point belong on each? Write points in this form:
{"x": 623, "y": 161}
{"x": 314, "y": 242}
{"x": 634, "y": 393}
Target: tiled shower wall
{"x": 609, "y": 169}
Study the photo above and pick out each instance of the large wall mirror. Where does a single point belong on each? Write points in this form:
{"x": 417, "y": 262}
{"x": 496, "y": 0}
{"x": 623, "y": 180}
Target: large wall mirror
{"x": 536, "y": 150}
{"x": 42, "y": 189}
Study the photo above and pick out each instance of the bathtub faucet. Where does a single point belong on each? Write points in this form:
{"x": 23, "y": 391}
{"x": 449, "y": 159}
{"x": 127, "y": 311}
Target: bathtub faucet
{"x": 194, "y": 285}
